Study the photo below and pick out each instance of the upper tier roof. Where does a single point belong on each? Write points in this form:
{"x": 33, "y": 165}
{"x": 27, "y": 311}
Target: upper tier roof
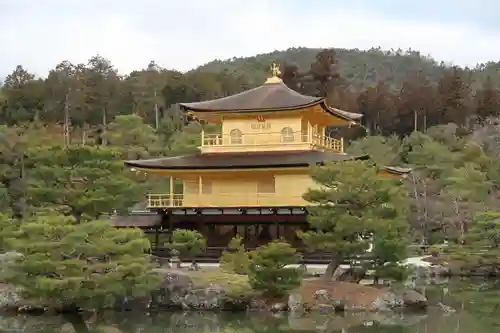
{"x": 278, "y": 159}
{"x": 351, "y": 115}
{"x": 272, "y": 159}
{"x": 267, "y": 97}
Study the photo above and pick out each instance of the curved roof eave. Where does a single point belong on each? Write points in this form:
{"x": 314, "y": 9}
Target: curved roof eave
{"x": 351, "y": 115}
{"x": 193, "y": 108}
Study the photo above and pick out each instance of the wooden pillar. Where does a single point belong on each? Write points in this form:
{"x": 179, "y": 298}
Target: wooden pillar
{"x": 171, "y": 194}
{"x": 169, "y": 227}
{"x": 157, "y": 238}
{"x": 200, "y": 191}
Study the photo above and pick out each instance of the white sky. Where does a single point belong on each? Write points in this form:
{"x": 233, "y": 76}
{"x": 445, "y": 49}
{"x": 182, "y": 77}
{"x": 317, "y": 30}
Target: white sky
{"x": 185, "y": 34}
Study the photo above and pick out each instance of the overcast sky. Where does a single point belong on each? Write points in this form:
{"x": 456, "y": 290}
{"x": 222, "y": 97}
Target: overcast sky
{"x": 183, "y": 34}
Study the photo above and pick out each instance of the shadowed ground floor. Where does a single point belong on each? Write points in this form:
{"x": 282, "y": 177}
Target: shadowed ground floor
{"x": 256, "y": 226}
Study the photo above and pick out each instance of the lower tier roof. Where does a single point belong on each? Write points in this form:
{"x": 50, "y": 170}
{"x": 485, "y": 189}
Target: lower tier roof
{"x": 220, "y": 161}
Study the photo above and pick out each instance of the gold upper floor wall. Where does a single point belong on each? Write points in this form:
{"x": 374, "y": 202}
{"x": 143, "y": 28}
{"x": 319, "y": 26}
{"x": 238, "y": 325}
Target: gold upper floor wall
{"x": 257, "y": 188}
{"x": 269, "y": 188}
{"x": 291, "y": 130}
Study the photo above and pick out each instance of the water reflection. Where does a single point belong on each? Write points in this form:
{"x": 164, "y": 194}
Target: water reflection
{"x": 432, "y": 322}
{"x": 476, "y": 309}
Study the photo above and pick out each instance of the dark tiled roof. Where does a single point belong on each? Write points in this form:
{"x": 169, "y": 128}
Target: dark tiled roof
{"x": 352, "y": 115}
{"x": 242, "y": 160}
{"x": 275, "y": 96}
{"x": 144, "y": 220}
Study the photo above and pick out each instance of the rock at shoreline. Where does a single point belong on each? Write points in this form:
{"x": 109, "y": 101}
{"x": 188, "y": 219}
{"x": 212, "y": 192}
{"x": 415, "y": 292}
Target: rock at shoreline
{"x": 9, "y": 297}
{"x": 315, "y": 294}
{"x": 178, "y": 290}
{"x": 218, "y": 290}
{"x": 411, "y": 299}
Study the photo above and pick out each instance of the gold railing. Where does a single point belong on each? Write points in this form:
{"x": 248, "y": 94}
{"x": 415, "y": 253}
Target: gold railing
{"x": 253, "y": 139}
{"x": 328, "y": 143}
{"x": 277, "y": 138}
{"x": 164, "y": 200}
{"x": 223, "y": 200}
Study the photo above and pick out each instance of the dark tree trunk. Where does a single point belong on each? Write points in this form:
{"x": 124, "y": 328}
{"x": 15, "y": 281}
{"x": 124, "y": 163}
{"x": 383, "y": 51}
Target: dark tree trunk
{"x": 77, "y": 216}
{"x": 331, "y": 268}
{"x": 74, "y": 317}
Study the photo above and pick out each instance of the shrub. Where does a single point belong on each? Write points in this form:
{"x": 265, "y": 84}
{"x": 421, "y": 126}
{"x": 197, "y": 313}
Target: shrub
{"x": 72, "y": 265}
{"x": 188, "y": 242}
{"x": 268, "y": 272}
{"x": 434, "y": 251}
{"x": 236, "y": 259}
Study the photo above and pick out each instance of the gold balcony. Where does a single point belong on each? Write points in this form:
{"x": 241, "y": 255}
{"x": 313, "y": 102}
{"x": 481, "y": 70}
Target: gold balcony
{"x": 269, "y": 141}
{"x": 223, "y": 200}
{"x": 164, "y": 200}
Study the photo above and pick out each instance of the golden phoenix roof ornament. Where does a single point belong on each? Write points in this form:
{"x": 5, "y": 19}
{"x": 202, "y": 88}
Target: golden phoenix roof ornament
{"x": 275, "y": 73}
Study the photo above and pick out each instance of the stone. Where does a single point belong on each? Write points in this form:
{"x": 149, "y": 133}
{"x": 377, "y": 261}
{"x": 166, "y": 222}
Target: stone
{"x": 388, "y": 301}
{"x": 295, "y": 303}
{"x": 399, "y": 298}
{"x": 324, "y": 300}
{"x": 193, "y": 267}
{"x": 175, "y": 286}
{"x": 174, "y": 259}
{"x": 412, "y": 299}
{"x": 213, "y": 296}
{"x": 321, "y": 295}
{"x": 257, "y": 305}
{"x": 208, "y": 298}
{"x": 278, "y": 307}
{"x": 439, "y": 270}
{"x": 324, "y": 308}
{"x": 349, "y": 274}
{"x": 9, "y": 297}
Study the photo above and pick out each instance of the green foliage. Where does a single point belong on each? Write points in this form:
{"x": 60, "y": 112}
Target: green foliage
{"x": 268, "y": 272}
{"x": 235, "y": 259}
{"x": 434, "y": 250}
{"x": 83, "y": 180}
{"x": 131, "y": 135}
{"x": 390, "y": 247}
{"x": 481, "y": 244}
{"x": 170, "y": 125}
{"x": 67, "y": 264}
{"x": 455, "y": 166}
{"x": 12, "y": 184}
{"x": 355, "y": 201}
{"x": 382, "y": 150}
{"x": 188, "y": 242}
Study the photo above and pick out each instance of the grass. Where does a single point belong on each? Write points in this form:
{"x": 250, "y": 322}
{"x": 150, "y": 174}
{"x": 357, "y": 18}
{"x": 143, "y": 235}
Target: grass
{"x": 230, "y": 282}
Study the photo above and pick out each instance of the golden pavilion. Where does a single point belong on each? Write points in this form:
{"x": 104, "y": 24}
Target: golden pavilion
{"x": 248, "y": 179}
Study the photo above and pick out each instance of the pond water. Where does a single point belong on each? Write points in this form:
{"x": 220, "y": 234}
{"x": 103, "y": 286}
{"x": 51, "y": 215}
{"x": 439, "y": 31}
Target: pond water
{"x": 458, "y": 306}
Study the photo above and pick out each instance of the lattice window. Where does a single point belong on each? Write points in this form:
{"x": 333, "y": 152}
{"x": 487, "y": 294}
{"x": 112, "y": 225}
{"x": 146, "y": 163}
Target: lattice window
{"x": 236, "y": 137}
{"x": 266, "y": 185}
{"x": 206, "y": 187}
{"x": 287, "y": 135}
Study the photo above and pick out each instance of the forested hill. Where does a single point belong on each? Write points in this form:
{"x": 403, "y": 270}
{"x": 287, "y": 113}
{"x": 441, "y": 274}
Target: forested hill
{"x": 396, "y": 91}
{"x": 359, "y": 68}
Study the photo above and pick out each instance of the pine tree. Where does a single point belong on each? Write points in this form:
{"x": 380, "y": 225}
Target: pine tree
{"x": 82, "y": 181}
{"x": 73, "y": 266}
{"x": 268, "y": 270}
{"x": 353, "y": 202}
